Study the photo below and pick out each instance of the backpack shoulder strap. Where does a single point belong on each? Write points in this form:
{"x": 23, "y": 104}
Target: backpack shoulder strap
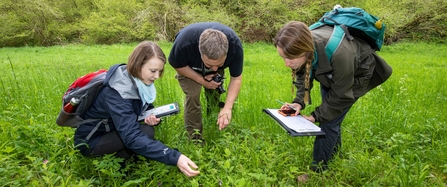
{"x": 334, "y": 41}
{"x": 103, "y": 121}
{"x": 316, "y": 25}
{"x": 320, "y": 56}
{"x": 339, "y": 32}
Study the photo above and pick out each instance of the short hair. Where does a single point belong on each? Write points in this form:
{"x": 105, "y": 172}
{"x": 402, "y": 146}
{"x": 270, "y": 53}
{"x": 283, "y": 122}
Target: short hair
{"x": 213, "y": 44}
{"x": 141, "y": 55}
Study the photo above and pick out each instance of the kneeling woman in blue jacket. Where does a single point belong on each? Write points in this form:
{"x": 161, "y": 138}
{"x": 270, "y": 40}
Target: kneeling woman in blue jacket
{"x": 128, "y": 91}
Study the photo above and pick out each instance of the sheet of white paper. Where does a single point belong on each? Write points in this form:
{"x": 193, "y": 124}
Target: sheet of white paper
{"x": 296, "y": 123}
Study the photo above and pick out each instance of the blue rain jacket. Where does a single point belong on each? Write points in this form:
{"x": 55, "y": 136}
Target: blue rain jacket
{"x": 120, "y": 103}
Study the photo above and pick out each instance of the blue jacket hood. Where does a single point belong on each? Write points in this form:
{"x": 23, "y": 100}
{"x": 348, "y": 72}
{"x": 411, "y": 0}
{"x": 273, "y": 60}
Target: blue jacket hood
{"x": 119, "y": 79}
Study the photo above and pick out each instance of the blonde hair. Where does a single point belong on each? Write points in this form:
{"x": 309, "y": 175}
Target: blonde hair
{"x": 296, "y": 40}
{"x": 213, "y": 44}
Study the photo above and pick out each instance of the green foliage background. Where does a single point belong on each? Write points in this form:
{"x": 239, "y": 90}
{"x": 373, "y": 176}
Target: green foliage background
{"x": 51, "y": 22}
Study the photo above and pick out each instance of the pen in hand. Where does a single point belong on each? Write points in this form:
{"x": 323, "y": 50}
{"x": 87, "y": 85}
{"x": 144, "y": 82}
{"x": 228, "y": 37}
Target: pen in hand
{"x": 290, "y": 106}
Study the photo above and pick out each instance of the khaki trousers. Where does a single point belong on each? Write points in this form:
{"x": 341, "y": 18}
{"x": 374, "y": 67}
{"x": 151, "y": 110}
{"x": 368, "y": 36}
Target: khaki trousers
{"x": 193, "y": 110}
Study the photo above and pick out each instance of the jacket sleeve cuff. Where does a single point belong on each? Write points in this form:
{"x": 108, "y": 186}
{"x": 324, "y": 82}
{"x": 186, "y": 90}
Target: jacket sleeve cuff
{"x": 300, "y": 103}
{"x": 315, "y": 116}
{"x": 173, "y": 158}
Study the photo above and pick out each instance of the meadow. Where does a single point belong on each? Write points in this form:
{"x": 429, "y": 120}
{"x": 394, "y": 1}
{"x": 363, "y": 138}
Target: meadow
{"x": 393, "y": 136}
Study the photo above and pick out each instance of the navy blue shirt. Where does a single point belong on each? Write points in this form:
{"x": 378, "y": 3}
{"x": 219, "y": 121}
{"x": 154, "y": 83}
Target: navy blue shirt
{"x": 185, "y": 50}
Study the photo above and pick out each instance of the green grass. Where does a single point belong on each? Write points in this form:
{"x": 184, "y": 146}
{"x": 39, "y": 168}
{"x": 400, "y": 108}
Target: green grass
{"x": 393, "y": 136}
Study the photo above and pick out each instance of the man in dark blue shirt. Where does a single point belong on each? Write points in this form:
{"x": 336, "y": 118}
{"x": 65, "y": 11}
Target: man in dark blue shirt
{"x": 200, "y": 54}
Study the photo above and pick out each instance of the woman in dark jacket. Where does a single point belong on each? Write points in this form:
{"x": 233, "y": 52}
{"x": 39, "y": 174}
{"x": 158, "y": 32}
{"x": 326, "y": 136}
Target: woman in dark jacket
{"x": 129, "y": 91}
{"x": 353, "y": 70}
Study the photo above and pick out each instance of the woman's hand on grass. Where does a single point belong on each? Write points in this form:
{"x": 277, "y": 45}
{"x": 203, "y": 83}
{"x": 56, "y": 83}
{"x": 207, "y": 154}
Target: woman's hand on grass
{"x": 185, "y": 164}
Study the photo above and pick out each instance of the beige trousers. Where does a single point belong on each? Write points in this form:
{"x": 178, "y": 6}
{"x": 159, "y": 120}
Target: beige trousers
{"x": 193, "y": 110}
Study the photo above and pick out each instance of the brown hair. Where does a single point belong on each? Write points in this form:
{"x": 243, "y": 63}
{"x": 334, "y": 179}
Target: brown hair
{"x": 141, "y": 54}
{"x": 213, "y": 44}
{"x": 295, "y": 39}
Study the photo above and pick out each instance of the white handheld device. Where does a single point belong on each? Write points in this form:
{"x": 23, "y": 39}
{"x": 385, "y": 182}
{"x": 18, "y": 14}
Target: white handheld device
{"x": 161, "y": 111}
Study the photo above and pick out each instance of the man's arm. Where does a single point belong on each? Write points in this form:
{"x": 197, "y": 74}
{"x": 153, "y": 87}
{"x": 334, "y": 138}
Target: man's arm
{"x": 234, "y": 87}
{"x": 233, "y": 90}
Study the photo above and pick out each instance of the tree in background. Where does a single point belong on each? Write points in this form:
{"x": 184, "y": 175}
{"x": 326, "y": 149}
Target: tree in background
{"x": 51, "y": 22}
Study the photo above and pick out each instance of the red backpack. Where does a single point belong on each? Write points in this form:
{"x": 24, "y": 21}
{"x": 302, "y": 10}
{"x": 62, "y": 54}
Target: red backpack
{"x": 82, "y": 93}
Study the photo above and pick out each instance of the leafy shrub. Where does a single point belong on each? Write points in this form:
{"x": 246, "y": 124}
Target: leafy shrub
{"x": 27, "y": 23}
{"x": 112, "y": 23}
{"x": 167, "y": 18}
{"x": 45, "y": 22}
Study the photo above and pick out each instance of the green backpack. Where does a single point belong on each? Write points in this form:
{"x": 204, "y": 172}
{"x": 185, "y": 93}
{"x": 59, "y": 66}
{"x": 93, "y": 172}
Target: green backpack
{"x": 349, "y": 22}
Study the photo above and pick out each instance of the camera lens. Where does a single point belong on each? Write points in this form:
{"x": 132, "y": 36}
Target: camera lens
{"x": 219, "y": 78}
{"x": 220, "y": 89}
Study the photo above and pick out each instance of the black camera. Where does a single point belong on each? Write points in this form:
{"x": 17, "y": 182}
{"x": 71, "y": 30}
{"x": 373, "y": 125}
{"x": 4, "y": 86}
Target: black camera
{"x": 219, "y": 78}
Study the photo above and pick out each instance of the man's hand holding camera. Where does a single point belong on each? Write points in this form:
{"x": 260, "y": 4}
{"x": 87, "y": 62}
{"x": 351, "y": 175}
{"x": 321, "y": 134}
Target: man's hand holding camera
{"x": 214, "y": 81}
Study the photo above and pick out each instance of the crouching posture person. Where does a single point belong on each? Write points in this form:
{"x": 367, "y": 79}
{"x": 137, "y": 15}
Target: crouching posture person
{"x": 200, "y": 54}
{"x": 353, "y": 70}
{"x": 129, "y": 91}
